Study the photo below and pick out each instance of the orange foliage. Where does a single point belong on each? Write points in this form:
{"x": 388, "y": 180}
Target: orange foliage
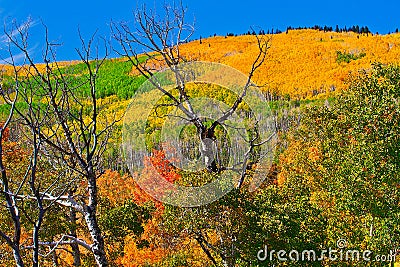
{"x": 158, "y": 174}
{"x": 288, "y": 158}
{"x": 300, "y": 63}
{"x": 314, "y": 154}
{"x": 135, "y": 257}
{"x": 15, "y": 158}
{"x": 6, "y": 133}
{"x": 162, "y": 165}
{"x": 115, "y": 187}
{"x": 118, "y": 188}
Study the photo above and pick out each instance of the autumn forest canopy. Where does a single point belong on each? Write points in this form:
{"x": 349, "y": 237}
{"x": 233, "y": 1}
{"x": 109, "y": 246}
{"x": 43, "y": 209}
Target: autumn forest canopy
{"x": 209, "y": 152}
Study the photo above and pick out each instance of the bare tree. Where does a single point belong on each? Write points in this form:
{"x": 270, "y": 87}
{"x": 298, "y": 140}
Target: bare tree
{"x": 64, "y": 132}
{"x": 14, "y": 239}
{"x": 155, "y": 42}
{"x": 26, "y": 187}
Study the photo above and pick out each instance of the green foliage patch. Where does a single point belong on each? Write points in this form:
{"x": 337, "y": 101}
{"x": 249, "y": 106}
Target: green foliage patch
{"x": 348, "y": 57}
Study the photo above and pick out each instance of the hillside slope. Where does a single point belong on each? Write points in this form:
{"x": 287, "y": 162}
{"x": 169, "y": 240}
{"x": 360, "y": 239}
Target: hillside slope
{"x": 300, "y": 63}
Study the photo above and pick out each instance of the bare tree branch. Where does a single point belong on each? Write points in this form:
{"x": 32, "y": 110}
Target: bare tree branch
{"x": 64, "y": 133}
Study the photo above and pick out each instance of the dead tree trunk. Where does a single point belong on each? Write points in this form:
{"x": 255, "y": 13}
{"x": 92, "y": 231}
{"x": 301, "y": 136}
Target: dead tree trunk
{"x": 90, "y": 211}
{"x": 73, "y": 142}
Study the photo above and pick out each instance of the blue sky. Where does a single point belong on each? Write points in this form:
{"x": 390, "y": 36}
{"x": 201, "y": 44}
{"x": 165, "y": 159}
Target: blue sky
{"x": 211, "y": 16}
